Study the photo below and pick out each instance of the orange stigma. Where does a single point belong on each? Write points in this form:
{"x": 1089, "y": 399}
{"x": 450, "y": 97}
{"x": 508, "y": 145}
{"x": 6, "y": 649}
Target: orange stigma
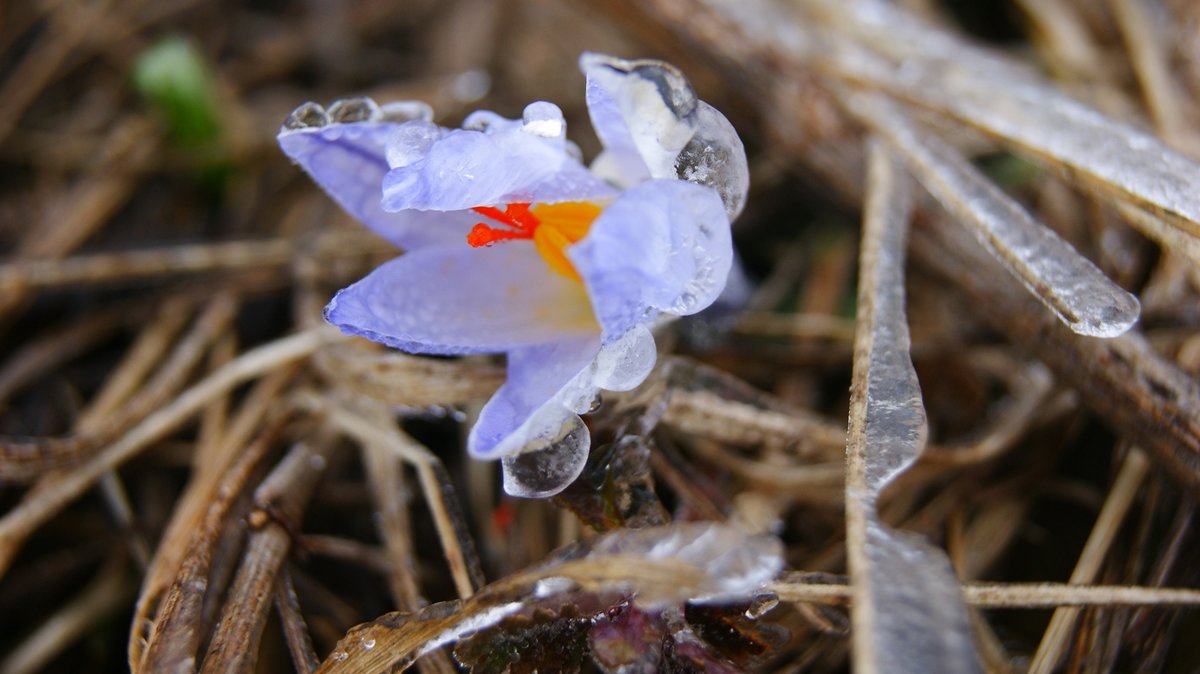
{"x": 552, "y": 227}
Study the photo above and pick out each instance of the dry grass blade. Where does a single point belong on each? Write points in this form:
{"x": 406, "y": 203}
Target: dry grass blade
{"x": 102, "y": 599}
{"x": 279, "y": 502}
{"x": 1125, "y": 489}
{"x": 221, "y": 466}
{"x": 44, "y": 502}
{"x": 1014, "y": 595}
{"x": 287, "y": 604}
{"x": 177, "y": 627}
{"x": 375, "y": 428}
{"x": 400, "y": 379}
{"x": 908, "y": 615}
{"x": 31, "y": 274}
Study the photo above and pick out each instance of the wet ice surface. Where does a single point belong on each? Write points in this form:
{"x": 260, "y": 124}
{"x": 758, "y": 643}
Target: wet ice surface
{"x": 908, "y": 611}
{"x": 715, "y": 157}
{"x": 735, "y": 563}
{"x": 676, "y": 134}
{"x": 544, "y": 119}
{"x": 1016, "y": 104}
{"x": 1069, "y": 284}
{"x": 891, "y": 427}
{"x": 921, "y": 622}
{"x": 545, "y": 470}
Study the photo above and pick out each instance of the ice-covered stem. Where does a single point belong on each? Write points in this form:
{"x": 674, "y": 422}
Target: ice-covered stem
{"x": 908, "y": 612}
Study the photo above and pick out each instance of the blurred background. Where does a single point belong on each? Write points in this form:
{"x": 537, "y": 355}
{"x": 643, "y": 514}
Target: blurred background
{"x": 137, "y": 147}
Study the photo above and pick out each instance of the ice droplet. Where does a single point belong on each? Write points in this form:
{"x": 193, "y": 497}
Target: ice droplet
{"x": 541, "y": 471}
{"x": 406, "y": 111}
{"x": 308, "y": 116}
{"x": 543, "y": 119}
{"x": 716, "y": 158}
{"x": 357, "y": 109}
{"x": 368, "y": 644}
{"x": 761, "y": 605}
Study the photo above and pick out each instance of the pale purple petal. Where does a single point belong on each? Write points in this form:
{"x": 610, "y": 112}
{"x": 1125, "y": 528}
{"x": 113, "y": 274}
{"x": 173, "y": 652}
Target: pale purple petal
{"x": 661, "y": 247}
{"x": 348, "y": 162}
{"x": 652, "y": 125}
{"x": 643, "y": 112}
{"x": 458, "y": 299}
{"x": 465, "y": 168}
{"x": 548, "y": 386}
{"x": 620, "y": 160}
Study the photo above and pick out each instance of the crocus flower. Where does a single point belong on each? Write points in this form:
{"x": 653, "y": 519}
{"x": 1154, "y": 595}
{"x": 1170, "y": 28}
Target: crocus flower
{"x": 514, "y": 246}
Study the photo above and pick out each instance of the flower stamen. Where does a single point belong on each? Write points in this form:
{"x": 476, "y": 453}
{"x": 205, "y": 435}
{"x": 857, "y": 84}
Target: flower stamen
{"x": 552, "y": 227}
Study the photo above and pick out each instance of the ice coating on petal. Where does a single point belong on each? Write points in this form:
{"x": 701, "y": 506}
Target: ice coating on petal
{"x": 661, "y": 247}
{"x": 500, "y": 164}
{"x": 348, "y": 162}
{"x": 625, "y": 363}
{"x": 652, "y": 125}
{"x": 544, "y": 472}
{"x": 458, "y": 299}
{"x": 646, "y": 106}
{"x": 716, "y": 158}
{"x": 547, "y": 386}
{"x": 410, "y": 143}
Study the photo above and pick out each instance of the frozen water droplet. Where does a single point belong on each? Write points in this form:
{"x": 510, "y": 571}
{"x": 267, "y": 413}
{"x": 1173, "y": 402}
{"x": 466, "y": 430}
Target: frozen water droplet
{"x": 544, "y": 471}
{"x": 308, "y": 116}
{"x": 405, "y": 111}
{"x": 368, "y": 644}
{"x": 357, "y": 109}
{"x": 761, "y": 605}
{"x": 543, "y": 119}
{"x": 625, "y": 363}
{"x": 716, "y": 158}
{"x": 339, "y": 656}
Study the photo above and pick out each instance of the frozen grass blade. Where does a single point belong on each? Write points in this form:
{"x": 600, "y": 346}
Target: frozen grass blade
{"x": 908, "y": 613}
{"x": 912, "y": 61}
{"x": 1065, "y": 281}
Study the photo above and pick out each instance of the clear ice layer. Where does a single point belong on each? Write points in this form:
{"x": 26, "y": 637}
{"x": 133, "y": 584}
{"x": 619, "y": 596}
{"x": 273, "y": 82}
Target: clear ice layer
{"x": 545, "y": 471}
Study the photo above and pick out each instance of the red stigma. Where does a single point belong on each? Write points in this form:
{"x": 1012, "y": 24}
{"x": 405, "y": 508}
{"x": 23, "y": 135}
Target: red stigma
{"x": 517, "y": 216}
